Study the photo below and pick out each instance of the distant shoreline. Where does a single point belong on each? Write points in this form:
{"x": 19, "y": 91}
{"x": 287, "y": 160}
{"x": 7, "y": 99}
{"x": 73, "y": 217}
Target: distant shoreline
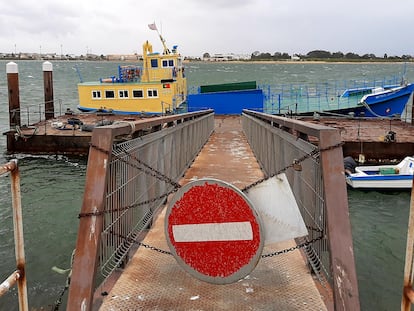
{"x": 226, "y": 61}
{"x": 297, "y": 62}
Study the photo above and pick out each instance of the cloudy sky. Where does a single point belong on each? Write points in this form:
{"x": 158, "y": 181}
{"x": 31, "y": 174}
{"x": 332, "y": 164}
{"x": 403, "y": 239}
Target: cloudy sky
{"x": 213, "y": 26}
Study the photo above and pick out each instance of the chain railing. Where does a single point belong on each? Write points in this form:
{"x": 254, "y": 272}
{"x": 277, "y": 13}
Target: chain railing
{"x": 130, "y": 175}
{"x": 315, "y": 173}
{"x": 18, "y": 276}
{"x": 132, "y": 168}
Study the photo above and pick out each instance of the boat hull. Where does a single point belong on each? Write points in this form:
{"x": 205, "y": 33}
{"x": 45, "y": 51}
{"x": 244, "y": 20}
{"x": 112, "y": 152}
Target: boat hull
{"x": 400, "y": 182}
{"x": 383, "y": 177}
{"x": 385, "y": 101}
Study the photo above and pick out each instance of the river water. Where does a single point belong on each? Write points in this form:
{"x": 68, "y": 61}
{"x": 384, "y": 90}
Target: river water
{"x": 52, "y": 186}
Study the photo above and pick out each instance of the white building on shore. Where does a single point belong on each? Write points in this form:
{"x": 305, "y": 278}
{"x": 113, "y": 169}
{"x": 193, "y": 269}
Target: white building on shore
{"x": 226, "y": 57}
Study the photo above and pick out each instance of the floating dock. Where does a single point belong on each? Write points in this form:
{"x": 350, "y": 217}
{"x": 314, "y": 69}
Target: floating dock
{"x": 378, "y": 140}
{"x": 69, "y": 133}
{"x": 155, "y": 281}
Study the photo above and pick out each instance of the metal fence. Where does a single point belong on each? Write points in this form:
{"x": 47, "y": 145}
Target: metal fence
{"x": 36, "y": 113}
{"x": 311, "y": 157}
{"x": 18, "y": 276}
{"x": 132, "y": 168}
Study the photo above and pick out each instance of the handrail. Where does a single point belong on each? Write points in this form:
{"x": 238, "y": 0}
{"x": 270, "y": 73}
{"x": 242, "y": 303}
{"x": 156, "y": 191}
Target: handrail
{"x": 19, "y": 275}
{"x": 101, "y": 175}
{"x": 333, "y": 193}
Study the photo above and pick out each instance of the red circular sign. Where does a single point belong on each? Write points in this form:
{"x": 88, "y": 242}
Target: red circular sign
{"x": 213, "y": 231}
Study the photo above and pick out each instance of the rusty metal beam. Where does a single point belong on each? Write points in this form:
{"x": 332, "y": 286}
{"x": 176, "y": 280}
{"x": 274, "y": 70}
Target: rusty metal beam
{"x": 126, "y": 128}
{"x": 379, "y": 150}
{"x": 19, "y": 275}
{"x": 345, "y": 291}
{"x": 90, "y": 228}
{"x": 311, "y": 129}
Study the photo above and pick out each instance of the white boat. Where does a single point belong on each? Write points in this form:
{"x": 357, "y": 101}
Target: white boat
{"x": 399, "y": 176}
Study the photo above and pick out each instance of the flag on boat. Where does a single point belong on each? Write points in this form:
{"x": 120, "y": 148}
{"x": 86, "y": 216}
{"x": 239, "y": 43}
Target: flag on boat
{"x": 152, "y": 26}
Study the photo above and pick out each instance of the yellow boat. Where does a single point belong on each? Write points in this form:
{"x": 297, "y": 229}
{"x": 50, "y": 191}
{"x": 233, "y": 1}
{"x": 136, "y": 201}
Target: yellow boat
{"x": 158, "y": 87}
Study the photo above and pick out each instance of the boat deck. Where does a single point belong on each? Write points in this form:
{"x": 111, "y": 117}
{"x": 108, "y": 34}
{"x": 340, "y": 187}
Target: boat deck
{"x": 154, "y": 281}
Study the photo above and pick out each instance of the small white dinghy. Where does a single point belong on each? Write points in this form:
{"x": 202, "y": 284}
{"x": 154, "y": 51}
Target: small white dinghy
{"x": 399, "y": 176}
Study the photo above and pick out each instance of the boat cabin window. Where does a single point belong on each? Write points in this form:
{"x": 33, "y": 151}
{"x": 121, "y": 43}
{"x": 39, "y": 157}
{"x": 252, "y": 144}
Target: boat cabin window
{"x": 154, "y": 63}
{"x": 123, "y": 94}
{"x": 167, "y": 63}
{"x": 96, "y": 94}
{"x": 152, "y": 93}
{"x": 109, "y": 94}
{"x": 137, "y": 93}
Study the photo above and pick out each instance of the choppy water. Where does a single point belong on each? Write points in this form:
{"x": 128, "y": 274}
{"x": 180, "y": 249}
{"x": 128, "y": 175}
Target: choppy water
{"x": 52, "y": 187}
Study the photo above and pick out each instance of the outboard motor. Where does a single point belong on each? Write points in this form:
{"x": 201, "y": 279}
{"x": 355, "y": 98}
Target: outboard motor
{"x": 349, "y": 165}
{"x": 390, "y": 137}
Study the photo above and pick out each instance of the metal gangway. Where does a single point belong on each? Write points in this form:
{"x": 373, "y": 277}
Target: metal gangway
{"x": 135, "y": 167}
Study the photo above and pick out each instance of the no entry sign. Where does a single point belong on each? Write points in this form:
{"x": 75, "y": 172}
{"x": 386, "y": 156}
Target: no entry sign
{"x": 213, "y": 231}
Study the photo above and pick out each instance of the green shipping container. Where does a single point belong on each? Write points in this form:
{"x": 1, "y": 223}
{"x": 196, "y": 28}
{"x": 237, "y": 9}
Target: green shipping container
{"x": 225, "y": 87}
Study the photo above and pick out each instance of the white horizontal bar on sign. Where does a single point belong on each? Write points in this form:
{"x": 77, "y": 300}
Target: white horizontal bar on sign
{"x": 226, "y": 231}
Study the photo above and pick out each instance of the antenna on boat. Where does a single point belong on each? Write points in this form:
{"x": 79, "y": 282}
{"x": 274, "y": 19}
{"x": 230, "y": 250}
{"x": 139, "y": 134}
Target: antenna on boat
{"x": 154, "y": 27}
{"x": 79, "y": 73}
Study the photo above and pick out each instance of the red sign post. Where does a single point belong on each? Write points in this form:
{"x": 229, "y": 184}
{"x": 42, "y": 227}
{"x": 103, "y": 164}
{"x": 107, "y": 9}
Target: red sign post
{"x": 213, "y": 231}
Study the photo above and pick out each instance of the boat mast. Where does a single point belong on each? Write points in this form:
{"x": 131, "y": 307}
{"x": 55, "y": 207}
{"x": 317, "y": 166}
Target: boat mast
{"x": 154, "y": 27}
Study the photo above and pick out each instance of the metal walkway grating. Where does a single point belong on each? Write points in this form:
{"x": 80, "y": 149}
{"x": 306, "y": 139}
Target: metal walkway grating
{"x": 154, "y": 281}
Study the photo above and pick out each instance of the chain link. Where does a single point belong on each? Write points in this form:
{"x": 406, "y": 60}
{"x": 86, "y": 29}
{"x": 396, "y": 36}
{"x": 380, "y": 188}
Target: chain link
{"x": 153, "y": 248}
{"x": 284, "y": 251}
{"x": 151, "y": 171}
{"x": 157, "y": 174}
{"x": 131, "y": 240}
{"x": 293, "y": 164}
{"x": 291, "y": 249}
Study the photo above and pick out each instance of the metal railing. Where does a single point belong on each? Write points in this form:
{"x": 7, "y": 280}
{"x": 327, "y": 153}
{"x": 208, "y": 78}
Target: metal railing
{"x": 320, "y": 96}
{"x": 311, "y": 157}
{"x": 132, "y": 168}
{"x": 18, "y": 276}
{"x": 36, "y": 113}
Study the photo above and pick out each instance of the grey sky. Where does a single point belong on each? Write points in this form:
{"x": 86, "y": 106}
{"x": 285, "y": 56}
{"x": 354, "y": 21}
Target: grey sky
{"x": 214, "y": 26}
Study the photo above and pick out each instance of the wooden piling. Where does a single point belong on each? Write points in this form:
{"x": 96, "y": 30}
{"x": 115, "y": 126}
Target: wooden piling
{"x": 14, "y": 97}
{"x": 48, "y": 90}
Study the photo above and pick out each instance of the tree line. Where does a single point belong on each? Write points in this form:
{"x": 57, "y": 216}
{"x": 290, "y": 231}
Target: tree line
{"x": 326, "y": 55}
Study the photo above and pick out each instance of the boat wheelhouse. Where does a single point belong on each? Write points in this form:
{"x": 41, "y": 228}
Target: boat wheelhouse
{"x": 159, "y": 87}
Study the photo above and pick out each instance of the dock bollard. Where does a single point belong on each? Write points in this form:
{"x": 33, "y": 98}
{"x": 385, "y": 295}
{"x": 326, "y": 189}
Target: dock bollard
{"x": 48, "y": 90}
{"x": 12, "y": 71}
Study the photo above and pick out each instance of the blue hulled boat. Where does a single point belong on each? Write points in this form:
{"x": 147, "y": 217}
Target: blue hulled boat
{"x": 363, "y": 99}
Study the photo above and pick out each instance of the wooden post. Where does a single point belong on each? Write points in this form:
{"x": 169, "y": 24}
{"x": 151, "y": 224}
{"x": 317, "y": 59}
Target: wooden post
{"x": 407, "y": 297}
{"x": 14, "y": 97}
{"x": 48, "y": 90}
